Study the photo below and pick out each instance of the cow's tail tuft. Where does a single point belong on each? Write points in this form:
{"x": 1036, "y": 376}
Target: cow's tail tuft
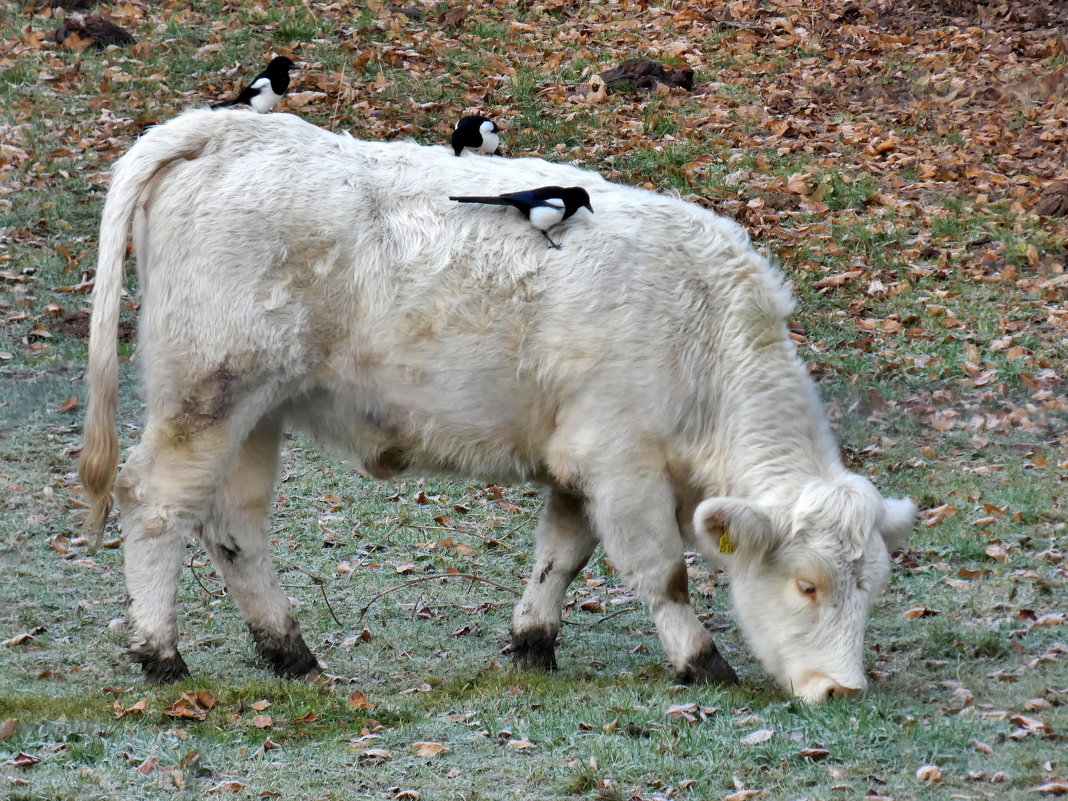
{"x": 183, "y": 138}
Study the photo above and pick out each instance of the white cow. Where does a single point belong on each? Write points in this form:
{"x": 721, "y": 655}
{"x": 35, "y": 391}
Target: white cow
{"x": 643, "y": 374}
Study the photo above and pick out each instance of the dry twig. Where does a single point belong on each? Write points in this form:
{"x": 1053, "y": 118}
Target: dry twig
{"x": 412, "y": 582}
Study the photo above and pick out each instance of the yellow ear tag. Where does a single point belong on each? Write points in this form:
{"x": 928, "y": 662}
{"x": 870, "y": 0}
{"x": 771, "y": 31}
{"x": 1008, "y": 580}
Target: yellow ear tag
{"x": 726, "y": 544}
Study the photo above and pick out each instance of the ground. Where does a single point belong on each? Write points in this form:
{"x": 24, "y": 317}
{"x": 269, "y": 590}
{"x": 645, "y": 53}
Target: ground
{"x": 903, "y": 161}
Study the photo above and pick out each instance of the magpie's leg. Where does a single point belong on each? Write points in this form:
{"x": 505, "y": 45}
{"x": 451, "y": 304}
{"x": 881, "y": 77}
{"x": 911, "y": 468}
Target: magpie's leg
{"x": 551, "y": 243}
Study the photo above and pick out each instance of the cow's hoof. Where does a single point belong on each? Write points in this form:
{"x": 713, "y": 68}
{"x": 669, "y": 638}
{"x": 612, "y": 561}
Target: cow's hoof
{"x": 161, "y": 669}
{"x": 534, "y": 648}
{"x": 288, "y": 656}
{"x": 707, "y": 667}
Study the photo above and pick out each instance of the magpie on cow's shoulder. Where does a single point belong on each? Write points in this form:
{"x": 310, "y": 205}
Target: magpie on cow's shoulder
{"x": 476, "y": 133}
{"x": 545, "y": 206}
{"x": 266, "y": 88}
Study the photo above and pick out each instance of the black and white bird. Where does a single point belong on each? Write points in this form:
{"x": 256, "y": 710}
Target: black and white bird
{"x": 545, "y": 206}
{"x": 476, "y": 133}
{"x": 266, "y": 88}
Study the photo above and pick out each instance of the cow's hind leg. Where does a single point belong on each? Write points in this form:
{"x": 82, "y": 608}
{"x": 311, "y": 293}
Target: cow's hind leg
{"x": 634, "y": 515}
{"x": 164, "y": 491}
{"x": 234, "y": 535}
{"x": 564, "y": 544}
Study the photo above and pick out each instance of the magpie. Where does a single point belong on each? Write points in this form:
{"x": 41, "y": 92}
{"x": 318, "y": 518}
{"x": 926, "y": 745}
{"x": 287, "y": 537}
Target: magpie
{"x": 545, "y": 206}
{"x": 476, "y": 133}
{"x": 266, "y": 88}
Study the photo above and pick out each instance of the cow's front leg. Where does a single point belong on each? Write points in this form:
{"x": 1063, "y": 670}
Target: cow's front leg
{"x": 234, "y": 536}
{"x": 634, "y": 515}
{"x": 564, "y": 543}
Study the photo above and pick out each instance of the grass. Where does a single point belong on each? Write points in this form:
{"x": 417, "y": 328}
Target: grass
{"x": 902, "y": 369}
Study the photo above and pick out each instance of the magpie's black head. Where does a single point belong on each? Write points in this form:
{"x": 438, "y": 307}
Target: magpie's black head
{"x": 281, "y": 64}
{"x": 575, "y": 198}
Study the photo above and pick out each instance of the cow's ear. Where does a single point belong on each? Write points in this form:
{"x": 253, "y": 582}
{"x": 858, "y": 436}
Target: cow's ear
{"x": 726, "y": 526}
{"x": 899, "y": 517}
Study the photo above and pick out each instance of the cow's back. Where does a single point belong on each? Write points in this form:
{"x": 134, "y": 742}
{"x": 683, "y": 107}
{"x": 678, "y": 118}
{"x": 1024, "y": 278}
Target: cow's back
{"x": 342, "y": 267}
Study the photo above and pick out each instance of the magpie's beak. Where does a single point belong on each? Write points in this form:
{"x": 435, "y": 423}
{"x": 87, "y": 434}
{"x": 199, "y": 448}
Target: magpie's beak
{"x": 588, "y": 206}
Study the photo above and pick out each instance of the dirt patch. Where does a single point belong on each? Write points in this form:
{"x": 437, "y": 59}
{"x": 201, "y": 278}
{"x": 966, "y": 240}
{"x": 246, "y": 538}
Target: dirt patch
{"x": 76, "y": 324}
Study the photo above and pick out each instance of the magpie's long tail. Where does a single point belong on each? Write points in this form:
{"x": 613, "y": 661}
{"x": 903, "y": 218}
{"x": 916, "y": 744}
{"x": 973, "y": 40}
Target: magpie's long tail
{"x": 224, "y": 104}
{"x": 491, "y": 200}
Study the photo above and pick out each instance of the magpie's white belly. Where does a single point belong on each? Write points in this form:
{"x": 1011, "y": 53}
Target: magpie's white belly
{"x": 264, "y": 101}
{"x": 265, "y": 98}
{"x": 490, "y": 142}
{"x": 545, "y": 217}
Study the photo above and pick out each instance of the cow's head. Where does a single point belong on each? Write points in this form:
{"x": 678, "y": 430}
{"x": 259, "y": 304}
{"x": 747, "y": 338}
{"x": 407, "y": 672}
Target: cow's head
{"x": 804, "y": 579}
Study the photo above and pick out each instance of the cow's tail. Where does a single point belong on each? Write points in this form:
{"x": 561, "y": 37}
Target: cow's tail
{"x": 184, "y": 138}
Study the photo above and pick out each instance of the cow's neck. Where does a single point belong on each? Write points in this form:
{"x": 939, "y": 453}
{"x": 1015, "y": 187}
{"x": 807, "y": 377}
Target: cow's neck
{"x": 771, "y": 431}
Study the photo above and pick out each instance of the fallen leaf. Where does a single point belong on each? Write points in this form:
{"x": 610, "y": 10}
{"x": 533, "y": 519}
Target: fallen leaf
{"x": 69, "y": 404}
{"x": 920, "y": 611}
{"x": 454, "y": 16}
{"x": 683, "y": 711}
{"x": 120, "y": 711}
{"x": 997, "y": 552}
{"x": 260, "y": 705}
{"x": 1031, "y": 725}
{"x": 23, "y": 637}
{"x": 757, "y": 737}
{"x": 835, "y": 280}
{"x": 193, "y": 705}
{"x": 7, "y": 728}
{"x": 23, "y": 760}
{"x": 598, "y": 92}
{"x": 1055, "y": 787}
{"x": 262, "y": 721}
{"x": 520, "y": 744}
{"x": 929, "y": 773}
{"x": 357, "y": 700}
{"x": 1052, "y": 619}
{"x": 1002, "y": 675}
{"x": 230, "y": 785}
{"x": 426, "y": 749}
{"x": 932, "y": 517}
{"x": 298, "y": 100}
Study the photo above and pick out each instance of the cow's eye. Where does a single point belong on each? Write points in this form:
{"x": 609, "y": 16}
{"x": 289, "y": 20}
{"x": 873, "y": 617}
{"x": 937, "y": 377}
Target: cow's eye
{"x": 806, "y": 589}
